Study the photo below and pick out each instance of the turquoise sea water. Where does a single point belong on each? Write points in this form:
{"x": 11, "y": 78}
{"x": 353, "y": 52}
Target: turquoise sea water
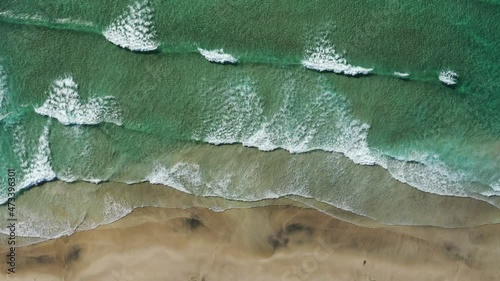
{"x": 76, "y": 107}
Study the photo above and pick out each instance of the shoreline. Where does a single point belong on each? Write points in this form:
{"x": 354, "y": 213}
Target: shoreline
{"x": 260, "y": 243}
{"x": 58, "y": 209}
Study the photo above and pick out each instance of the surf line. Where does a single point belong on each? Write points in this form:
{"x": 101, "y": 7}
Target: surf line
{"x": 11, "y": 221}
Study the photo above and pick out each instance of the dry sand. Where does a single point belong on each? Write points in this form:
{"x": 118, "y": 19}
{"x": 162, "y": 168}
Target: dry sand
{"x": 262, "y": 243}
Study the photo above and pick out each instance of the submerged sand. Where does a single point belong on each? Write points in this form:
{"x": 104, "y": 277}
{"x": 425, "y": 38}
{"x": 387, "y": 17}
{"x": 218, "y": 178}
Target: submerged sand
{"x": 261, "y": 243}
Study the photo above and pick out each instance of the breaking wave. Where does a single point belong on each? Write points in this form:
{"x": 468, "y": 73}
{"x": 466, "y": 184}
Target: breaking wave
{"x": 448, "y": 77}
{"x": 325, "y": 123}
{"x": 324, "y": 57}
{"x": 217, "y": 56}
{"x": 134, "y": 29}
{"x": 35, "y": 160}
{"x": 64, "y": 105}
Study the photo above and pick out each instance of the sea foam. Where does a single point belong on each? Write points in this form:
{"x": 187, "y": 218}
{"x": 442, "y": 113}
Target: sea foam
{"x": 134, "y": 29}
{"x": 217, "y": 56}
{"x": 36, "y": 169}
{"x": 113, "y": 210}
{"x": 64, "y": 105}
{"x": 177, "y": 176}
{"x": 235, "y": 114}
{"x": 3, "y": 85}
{"x": 401, "y": 74}
{"x": 323, "y": 57}
{"x": 41, "y": 229}
{"x": 38, "y": 19}
{"x": 188, "y": 178}
{"x": 428, "y": 175}
{"x": 448, "y": 77}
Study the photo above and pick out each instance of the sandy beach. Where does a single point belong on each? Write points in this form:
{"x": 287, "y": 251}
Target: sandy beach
{"x": 261, "y": 243}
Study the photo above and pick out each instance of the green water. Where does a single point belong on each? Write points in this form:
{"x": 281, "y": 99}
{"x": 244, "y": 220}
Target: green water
{"x": 177, "y": 106}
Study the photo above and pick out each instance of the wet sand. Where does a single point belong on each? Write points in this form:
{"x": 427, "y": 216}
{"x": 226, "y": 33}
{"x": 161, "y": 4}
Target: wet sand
{"x": 261, "y": 243}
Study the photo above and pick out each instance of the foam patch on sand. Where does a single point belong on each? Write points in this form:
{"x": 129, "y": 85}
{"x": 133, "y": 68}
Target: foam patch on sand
{"x": 448, "y": 77}
{"x": 64, "y": 105}
{"x": 134, "y": 29}
{"x": 217, "y": 56}
{"x": 324, "y": 57}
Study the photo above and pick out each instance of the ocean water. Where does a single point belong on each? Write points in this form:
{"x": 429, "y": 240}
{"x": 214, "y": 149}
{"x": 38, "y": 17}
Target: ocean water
{"x": 337, "y": 101}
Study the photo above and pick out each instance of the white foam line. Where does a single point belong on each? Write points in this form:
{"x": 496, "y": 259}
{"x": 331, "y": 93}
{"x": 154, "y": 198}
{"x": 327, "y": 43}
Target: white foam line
{"x": 13, "y": 15}
{"x": 39, "y": 18}
{"x": 401, "y": 74}
{"x": 217, "y": 56}
{"x": 3, "y": 85}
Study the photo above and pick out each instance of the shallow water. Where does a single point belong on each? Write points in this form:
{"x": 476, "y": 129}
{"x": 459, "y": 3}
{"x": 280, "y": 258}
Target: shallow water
{"x": 265, "y": 127}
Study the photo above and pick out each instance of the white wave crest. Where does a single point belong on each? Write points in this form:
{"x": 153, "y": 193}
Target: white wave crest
{"x": 235, "y": 114}
{"x": 38, "y": 169}
{"x": 401, "y": 74}
{"x": 217, "y": 56}
{"x": 3, "y": 85}
{"x": 3, "y": 92}
{"x": 335, "y": 130}
{"x": 134, "y": 30}
{"x": 323, "y": 57}
{"x": 64, "y": 105}
{"x": 448, "y": 77}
